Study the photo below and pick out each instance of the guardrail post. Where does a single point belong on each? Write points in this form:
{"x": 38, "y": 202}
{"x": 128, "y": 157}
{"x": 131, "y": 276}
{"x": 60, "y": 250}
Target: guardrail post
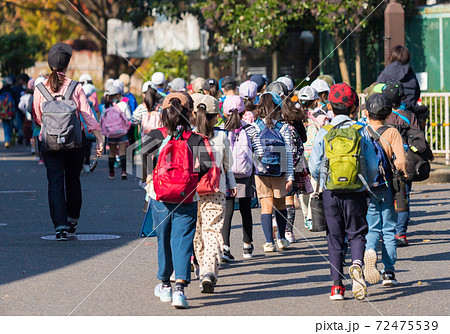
{"x": 447, "y": 131}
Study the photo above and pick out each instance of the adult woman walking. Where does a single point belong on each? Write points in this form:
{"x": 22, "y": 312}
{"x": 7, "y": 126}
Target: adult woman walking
{"x": 63, "y": 153}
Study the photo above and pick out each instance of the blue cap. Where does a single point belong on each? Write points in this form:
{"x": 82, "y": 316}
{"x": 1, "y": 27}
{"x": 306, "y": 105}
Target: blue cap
{"x": 276, "y": 98}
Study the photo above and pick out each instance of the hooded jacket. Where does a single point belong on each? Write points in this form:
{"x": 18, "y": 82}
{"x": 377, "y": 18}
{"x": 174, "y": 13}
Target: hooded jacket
{"x": 404, "y": 74}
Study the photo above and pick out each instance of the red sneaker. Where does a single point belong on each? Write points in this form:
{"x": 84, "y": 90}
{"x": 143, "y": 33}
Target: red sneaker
{"x": 112, "y": 175}
{"x": 401, "y": 240}
{"x": 337, "y": 292}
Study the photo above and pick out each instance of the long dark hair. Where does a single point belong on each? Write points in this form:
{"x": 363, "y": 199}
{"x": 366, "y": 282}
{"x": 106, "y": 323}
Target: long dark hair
{"x": 55, "y": 80}
{"x": 213, "y": 91}
{"x": 150, "y": 98}
{"x": 109, "y": 100}
{"x": 249, "y": 106}
{"x": 290, "y": 113}
{"x": 203, "y": 122}
{"x": 174, "y": 116}
{"x": 267, "y": 109}
{"x": 233, "y": 121}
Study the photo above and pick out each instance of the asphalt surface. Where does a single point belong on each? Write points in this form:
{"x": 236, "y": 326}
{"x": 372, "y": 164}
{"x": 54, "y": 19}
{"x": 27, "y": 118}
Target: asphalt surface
{"x": 116, "y": 277}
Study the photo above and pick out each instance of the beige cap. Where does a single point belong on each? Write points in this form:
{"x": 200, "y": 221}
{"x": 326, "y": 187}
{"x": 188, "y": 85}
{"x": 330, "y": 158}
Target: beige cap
{"x": 197, "y": 85}
{"x": 212, "y": 105}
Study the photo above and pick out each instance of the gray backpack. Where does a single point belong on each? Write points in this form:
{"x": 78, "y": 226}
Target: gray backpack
{"x": 61, "y": 127}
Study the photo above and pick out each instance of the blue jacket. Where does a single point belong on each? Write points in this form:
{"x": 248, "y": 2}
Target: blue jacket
{"x": 369, "y": 165}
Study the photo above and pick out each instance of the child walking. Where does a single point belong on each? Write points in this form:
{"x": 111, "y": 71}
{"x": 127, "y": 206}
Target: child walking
{"x": 271, "y": 142}
{"x": 208, "y": 239}
{"x": 336, "y": 156}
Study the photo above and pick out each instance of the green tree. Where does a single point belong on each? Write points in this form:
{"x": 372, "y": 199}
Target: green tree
{"x": 18, "y": 51}
{"x": 173, "y": 64}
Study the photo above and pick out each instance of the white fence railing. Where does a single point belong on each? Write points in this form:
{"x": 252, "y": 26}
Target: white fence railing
{"x": 438, "y": 128}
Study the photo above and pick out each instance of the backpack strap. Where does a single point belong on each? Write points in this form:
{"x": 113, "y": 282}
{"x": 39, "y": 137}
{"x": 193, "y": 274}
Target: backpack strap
{"x": 402, "y": 117}
{"x": 278, "y": 126}
{"x": 328, "y": 127}
{"x": 69, "y": 92}
{"x": 376, "y": 135}
{"x": 44, "y": 91}
{"x": 260, "y": 124}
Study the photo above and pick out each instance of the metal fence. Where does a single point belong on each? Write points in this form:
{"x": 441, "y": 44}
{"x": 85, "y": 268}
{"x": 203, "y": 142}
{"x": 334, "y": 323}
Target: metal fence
{"x": 437, "y": 130}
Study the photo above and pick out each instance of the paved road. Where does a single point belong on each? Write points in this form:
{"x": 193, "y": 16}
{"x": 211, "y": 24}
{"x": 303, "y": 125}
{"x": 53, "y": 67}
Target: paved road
{"x": 117, "y": 277}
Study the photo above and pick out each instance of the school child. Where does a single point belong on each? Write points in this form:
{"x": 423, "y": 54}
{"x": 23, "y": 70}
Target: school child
{"x": 295, "y": 117}
{"x": 25, "y": 106}
{"x": 85, "y": 78}
{"x": 148, "y": 113}
{"x": 271, "y": 142}
{"x": 115, "y": 125}
{"x": 308, "y": 102}
{"x": 173, "y": 195}
{"x": 88, "y": 89}
{"x": 211, "y": 87}
{"x": 343, "y": 160}
{"x": 241, "y": 151}
{"x": 37, "y": 128}
{"x": 381, "y": 215}
{"x": 208, "y": 240}
{"x": 248, "y": 91}
{"x": 323, "y": 107}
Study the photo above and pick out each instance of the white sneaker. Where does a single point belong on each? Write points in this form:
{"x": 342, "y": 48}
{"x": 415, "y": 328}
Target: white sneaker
{"x": 269, "y": 247}
{"x": 371, "y": 273}
{"x": 358, "y": 285}
{"x": 283, "y": 243}
{"x": 290, "y": 237}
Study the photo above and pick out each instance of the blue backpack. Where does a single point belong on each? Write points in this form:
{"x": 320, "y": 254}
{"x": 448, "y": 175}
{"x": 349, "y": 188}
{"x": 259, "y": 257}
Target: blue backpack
{"x": 273, "y": 145}
{"x": 385, "y": 167}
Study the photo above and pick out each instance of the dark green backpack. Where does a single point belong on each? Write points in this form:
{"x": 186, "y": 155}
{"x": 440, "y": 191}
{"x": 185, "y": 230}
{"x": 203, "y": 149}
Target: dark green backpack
{"x": 343, "y": 153}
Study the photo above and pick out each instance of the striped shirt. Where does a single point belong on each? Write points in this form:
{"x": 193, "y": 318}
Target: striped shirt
{"x": 253, "y": 133}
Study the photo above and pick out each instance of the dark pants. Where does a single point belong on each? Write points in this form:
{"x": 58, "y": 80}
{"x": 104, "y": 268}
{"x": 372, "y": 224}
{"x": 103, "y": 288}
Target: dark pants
{"x": 403, "y": 217}
{"x": 247, "y": 222}
{"x": 346, "y": 217}
{"x": 64, "y": 186}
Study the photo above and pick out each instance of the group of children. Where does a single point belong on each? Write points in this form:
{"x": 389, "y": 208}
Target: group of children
{"x": 261, "y": 141}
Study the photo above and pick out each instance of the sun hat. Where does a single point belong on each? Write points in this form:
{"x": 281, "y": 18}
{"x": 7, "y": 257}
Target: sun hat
{"x": 177, "y": 84}
{"x": 211, "y": 105}
{"x": 308, "y": 93}
{"x": 320, "y": 85}
{"x": 158, "y": 78}
{"x": 287, "y": 81}
{"x": 89, "y": 89}
{"x": 233, "y": 102}
{"x": 248, "y": 89}
{"x": 180, "y": 96}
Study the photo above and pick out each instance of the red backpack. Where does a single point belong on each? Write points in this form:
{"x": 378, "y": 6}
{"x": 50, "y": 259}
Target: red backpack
{"x": 209, "y": 183}
{"x": 174, "y": 180}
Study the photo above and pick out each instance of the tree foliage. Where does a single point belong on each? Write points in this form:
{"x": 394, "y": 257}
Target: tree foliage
{"x": 173, "y": 64}
{"x": 18, "y": 51}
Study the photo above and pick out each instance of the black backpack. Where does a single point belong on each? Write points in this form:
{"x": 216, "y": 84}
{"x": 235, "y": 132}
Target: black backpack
{"x": 61, "y": 127}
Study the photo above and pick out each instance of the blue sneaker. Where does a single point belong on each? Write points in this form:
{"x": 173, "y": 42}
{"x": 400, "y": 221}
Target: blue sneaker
{"x": 164, "y": 293}
{"x": 179, "y": 300}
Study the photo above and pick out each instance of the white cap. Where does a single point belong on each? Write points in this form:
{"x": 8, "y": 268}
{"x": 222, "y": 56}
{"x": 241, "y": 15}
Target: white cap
{"x": 84, "y": 78}
{"x": 287, "y": 81}
{"x": 308, "y": 93}
{"x": 119, "y": 84}
{"x": 39, "y": 80}
{"x": 146, "y": 85}
{"x": 158, "y": 78}
{"x": 320, "y": 85}
{"x": 89, "y": 89}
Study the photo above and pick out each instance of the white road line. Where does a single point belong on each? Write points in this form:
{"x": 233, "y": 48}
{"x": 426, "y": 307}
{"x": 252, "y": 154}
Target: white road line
{"x": 17, "y": 191}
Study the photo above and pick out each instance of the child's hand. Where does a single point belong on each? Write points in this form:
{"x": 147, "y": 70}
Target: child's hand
{"x": 289, "y": 186}
{"x": 233, "y": 192}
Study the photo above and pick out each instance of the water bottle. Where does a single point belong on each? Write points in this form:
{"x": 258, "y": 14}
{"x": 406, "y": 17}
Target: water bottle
{"x": 400, "y": 199}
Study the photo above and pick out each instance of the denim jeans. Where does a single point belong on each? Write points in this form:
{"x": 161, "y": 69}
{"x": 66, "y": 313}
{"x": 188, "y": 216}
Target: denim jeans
{"x": 175, "y": 230}
{"x": 382, "y": 219}
{"x": 7, "y": 129}
{"x": 403, "y": 217}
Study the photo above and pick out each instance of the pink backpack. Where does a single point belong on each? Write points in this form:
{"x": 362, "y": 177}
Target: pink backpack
{"x": 114, "y": 123}
{"x": 241, "y": 150}
{"x": 150, "y": 121}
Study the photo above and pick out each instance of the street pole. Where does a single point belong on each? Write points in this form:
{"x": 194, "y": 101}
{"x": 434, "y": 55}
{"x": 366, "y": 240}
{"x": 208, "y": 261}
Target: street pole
{"x": 394, "y": 28}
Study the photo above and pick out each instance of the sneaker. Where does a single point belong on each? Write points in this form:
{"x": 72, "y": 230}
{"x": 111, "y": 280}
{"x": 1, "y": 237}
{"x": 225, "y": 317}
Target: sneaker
{"x": 179, "y": 300}
{"x": 371, "y": 273}
{"x": 41, "y": 162}
{"x": 208, "y": 282}
{"x": 164, "y": 293}
{"x": 388, "y": 278}
{"x": 308, "y": 224}
{"x": 283, "y": 243}
{"x": 7, "y": 145}
{"x": 401, "y": 240}
{"x": 86, "y": 169}
{"x": 290, "y": 237}
{"x": 123, "y": 175}
{"x": 359, "y": 286}
{"x": 269, "y": 247}
{"x": 112, "y": 175}
{"x": 248, "y": 251}
{"x": 227, "y": 257}
{"x": 72, "y": 226}
{"x": 61, "y": 235}
{"x": 337, "y": 292}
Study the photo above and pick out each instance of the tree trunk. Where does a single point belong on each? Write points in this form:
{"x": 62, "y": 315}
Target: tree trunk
{"x": 358, "y": 64}
{"x": 275, "y": 65}
{"x": 343, "y": 65}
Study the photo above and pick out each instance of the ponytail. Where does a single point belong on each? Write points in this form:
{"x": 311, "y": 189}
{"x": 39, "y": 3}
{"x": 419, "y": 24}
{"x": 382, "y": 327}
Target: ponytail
{"x": 174, "y": 116}
{"x": 249, "y": 106}
{"x": 55, "y": 80}
{"x": 150, "y": 98}
{"x": 204, "y": 125}
{"x": 267, "y": 109}
{"x": 233, "y": 121}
